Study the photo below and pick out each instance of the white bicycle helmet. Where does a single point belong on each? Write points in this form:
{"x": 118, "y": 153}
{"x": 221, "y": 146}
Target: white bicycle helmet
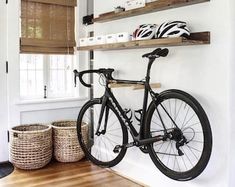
{"x": 145, "y": 32}
{"x": 172, "y": 29}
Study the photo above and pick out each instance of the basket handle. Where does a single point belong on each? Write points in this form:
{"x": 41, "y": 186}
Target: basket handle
{"x": 15, "y": 135}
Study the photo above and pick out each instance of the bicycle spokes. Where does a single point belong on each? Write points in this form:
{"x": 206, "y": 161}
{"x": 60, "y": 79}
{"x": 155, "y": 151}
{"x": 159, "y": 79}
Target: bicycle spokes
{"x": 183, "y": 147}
{"x": 109, "y": 133}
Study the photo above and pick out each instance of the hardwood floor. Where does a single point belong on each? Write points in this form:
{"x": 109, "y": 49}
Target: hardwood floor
{"x": 80, "y": 174}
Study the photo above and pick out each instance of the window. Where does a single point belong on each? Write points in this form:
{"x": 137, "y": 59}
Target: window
{"x": 31, "y": 76}
{"x": 46, "y": 76}
{"x": 60, "y": 76}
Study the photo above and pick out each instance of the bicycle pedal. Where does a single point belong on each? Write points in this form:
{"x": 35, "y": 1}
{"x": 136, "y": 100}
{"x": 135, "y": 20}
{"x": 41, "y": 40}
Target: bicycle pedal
{"x": 117, "y": 148}
{"x": 144, "y": 149}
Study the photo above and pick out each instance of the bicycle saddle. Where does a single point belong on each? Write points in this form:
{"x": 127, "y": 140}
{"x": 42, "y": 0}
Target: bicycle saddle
{"x": 157, "y": 53}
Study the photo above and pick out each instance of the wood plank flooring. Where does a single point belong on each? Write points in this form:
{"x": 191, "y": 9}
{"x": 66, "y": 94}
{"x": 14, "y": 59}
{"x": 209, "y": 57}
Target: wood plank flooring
{"x": 80, "y": 174}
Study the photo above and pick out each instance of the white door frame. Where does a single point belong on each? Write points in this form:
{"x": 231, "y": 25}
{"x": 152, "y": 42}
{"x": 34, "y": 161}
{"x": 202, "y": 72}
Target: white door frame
{"x": 4, "y": 151}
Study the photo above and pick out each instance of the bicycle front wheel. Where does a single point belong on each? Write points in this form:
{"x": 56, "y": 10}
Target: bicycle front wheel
{"x": 99, "y": 145}
{"x": 186, "y": 150}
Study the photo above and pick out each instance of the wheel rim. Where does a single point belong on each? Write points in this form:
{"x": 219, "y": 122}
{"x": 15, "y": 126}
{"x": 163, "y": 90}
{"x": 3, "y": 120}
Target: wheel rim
{"x": 101, "y": 147}
{"x": 189, "y": 123}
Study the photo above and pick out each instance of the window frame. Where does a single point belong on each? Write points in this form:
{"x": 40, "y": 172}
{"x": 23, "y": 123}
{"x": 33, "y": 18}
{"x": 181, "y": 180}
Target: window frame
{"x": 47, "y": 81}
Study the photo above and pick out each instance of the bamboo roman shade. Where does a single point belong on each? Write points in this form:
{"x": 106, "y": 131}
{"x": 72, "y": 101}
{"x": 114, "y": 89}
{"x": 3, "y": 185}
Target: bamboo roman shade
{"x": 48, "y": 26}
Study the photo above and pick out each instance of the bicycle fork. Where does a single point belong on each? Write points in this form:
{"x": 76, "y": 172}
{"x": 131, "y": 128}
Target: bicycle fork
{"x": 103, "y": 110}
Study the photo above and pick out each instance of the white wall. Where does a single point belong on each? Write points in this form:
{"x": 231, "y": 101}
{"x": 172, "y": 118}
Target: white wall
{"x": 231, "y": 95}
{"x": 90, "y": 4}
{"x": 199, "y": 70}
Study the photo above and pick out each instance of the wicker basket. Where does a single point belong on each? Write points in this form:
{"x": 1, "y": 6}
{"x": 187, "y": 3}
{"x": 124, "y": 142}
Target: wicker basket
{"x": 66, "y": 145}
{"x": 31, "y": 146}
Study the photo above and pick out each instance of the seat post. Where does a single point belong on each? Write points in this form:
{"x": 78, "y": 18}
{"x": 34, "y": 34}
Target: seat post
{"x": 151, "y": 60}
{"x": 145, "y": 101}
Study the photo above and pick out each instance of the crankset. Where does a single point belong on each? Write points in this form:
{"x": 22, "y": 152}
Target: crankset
{"x": 117, "y": 148}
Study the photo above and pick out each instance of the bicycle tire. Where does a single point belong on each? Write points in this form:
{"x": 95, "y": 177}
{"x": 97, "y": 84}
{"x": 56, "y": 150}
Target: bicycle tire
{"x": 156, "y": 154}
{"x": 89, "y": 147}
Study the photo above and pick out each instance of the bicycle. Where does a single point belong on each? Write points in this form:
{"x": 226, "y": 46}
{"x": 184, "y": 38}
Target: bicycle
{"x": 174, "y": 128}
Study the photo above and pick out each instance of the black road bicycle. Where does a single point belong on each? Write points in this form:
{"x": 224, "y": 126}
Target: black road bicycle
{"x": 174, "y": 129}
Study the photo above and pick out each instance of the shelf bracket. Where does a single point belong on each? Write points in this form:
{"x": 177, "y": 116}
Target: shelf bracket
{"x": 134, "y": 86}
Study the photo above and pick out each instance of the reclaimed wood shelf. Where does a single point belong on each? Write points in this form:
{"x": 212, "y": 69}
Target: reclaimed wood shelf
{"x": 199, "y": 38}
{"x": 150, "y": 7}
{"x": 134, "y": 86}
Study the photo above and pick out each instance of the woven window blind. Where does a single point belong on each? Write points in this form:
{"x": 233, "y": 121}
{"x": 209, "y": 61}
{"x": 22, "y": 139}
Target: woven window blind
{"x": 48, "y": 26}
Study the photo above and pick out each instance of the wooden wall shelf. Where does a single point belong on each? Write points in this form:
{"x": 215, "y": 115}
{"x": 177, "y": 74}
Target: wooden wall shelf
{"x": 150, "y": 7}
{"x": 198, "y": 38}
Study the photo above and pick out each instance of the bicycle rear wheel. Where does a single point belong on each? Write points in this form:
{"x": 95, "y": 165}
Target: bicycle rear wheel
{"x": 99, "y": 147}
{"x": 184, "y": 154}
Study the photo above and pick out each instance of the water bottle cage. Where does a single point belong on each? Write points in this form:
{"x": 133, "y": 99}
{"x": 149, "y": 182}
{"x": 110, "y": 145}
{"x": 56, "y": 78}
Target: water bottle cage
{"x": 138, "y": 114}
{"x": 128, "y": 114}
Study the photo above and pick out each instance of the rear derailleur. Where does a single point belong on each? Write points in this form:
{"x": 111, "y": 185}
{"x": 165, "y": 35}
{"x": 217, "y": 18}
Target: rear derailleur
{"x": 180, "y": 139}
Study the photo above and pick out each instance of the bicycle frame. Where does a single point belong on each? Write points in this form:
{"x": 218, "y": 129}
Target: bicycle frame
{"x": 139, "y": 137}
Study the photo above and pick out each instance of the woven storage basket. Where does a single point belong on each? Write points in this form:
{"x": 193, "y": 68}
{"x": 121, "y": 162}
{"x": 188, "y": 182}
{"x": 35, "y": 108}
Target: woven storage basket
{"x": 31, "y": 146}
{"x": 66, "y": 145}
